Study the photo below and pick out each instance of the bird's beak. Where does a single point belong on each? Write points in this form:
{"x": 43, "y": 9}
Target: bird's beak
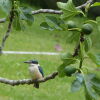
{"x": 28, "y": 62}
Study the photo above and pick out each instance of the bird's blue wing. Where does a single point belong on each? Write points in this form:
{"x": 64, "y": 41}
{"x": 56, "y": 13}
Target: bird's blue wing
{"x": 41, "y": 70}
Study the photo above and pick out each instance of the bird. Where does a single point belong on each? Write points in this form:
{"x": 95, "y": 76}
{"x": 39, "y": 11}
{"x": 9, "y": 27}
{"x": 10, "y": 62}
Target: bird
{"x": 35, "y": 70}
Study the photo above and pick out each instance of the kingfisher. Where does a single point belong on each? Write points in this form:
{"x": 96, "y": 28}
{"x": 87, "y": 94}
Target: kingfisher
{"x": 36, "y": 72}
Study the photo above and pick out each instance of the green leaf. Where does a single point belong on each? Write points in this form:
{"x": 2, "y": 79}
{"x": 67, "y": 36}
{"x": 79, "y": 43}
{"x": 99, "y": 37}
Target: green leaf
{"x": 98, "y": 23}
{"x": 65, "y": 56}
{"x": 68, "y": 59}
{"x": 77, "y": 84}
{"x": 95, "y": 58}
{"x": 68, "y": 9}
{"x": 64, "y": 70}
{"x": 52, "y": 19}
{"x": 60, "y": 69}
{"x": 45, "y": 26}
{"x": 5, "y": 5}
{"x": 87, "y": 43}
{"x": 54, "y": 22}
{"x": 82, "y": 51}
{"x": 98, "y": 19}
{"x": 73, "y": 37}
{"x": 96, "y": 81}
{"x": 25, "y": 14}
{"x": 90, "y": 93}
{"x": 97, "y": 90}
{"x": 95, "y": 4}
{"x": 87, "y": 95}
{"x": 26, "y": 10}
{"x": 96, "y": 85}
{"x": 91, "y": 22}
{"x": 16, "y": 23}
{"x": 30, "y": 19}
{"x": 70, "y": 70}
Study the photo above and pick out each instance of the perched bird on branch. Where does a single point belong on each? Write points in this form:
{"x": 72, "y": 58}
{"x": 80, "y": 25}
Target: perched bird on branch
{"x": 35, "y": 71}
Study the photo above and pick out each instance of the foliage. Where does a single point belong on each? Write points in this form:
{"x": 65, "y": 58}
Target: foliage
{"x": 96, "y": 4}
{"x": 68, "y": 68}
{"x": 5, "y": 5}
{"x": 95, "y": 58}
{"x": 71, "y": 25}
{"x": 82, "y": 51}
{"x": 68, "y": 9}
{"x": 87, "y": 29}
{"x": 21, "y": 14}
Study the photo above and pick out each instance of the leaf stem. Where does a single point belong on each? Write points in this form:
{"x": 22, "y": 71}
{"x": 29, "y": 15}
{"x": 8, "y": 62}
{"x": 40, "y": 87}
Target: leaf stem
{"x": 81, "y": 62}
{"x": 76, "y": 51}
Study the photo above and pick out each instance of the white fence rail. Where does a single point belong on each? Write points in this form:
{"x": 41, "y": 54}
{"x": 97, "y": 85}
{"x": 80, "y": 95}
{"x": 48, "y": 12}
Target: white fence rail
{"x": 33, "y": 53}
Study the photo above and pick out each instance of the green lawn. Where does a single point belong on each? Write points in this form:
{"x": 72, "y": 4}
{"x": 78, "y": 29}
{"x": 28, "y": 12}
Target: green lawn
{"x": 33, "y": 38}
{"x": 12, "y": 66}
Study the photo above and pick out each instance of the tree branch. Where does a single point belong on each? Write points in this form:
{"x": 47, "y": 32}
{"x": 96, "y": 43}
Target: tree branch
{"x": 76, "y": 51}
{"x": 51, "y": 11}
{"x": 27, "y": 81}
{"x": 8, "y": 30}
{"x": 82, "y": 6}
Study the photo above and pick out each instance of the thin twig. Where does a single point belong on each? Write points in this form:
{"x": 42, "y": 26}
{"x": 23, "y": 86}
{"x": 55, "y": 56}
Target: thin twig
{"x": 27, "y": 81}
{"x": 76, "y": 51}
{"x": 82, "y": 35}
{"x": 81, "y": 62}
{"x": 8, "y": 30}
{"x": 51, "y": 11}
{"x": 83, "y": 5}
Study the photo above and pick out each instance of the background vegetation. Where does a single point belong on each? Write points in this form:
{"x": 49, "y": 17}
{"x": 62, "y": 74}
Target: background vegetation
{"x": 36, "y": 39}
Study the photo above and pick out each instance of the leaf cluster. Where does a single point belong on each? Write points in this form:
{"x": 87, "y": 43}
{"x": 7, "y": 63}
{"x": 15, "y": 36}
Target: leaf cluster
{"x": 68, "y": 68}
{"x": 21, "y": 13}
{"x": 91, "y": 84}
{"x": 89, "y": 81}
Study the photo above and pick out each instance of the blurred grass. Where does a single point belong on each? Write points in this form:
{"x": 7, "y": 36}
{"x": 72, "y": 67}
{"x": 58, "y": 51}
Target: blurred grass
{"x": 36, "y": 39}
{"x": 12, "y": 67}
{"x": 33, "y": 38}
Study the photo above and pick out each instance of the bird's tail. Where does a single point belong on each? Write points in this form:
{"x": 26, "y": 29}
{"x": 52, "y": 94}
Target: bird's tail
{"x": 36, "y": 85}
